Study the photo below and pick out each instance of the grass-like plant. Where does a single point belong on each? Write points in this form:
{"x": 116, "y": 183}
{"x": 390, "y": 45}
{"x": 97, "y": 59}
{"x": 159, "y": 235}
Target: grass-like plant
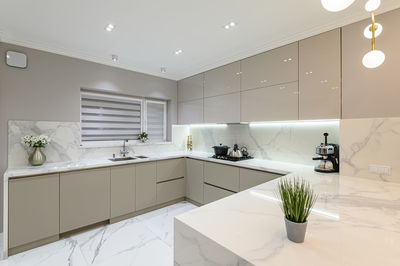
{"x": 297, "y": 198}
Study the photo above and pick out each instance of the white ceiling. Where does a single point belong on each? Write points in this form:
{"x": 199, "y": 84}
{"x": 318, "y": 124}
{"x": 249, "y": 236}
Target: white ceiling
{"x": 149, "y": 31}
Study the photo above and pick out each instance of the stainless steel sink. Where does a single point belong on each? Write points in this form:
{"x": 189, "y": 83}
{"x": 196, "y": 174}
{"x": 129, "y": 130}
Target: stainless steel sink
{"x": 142, "y": 157}
{"x": 122, "y": 159}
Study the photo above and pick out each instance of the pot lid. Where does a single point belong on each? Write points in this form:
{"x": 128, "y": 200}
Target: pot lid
{"x": 221, "y": 146}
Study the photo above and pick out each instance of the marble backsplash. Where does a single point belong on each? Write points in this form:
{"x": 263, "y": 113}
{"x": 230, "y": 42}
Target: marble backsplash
{"x": 65, "y": 143}
{"x": 292, "y": 142}
{"x": 367, "y": 142}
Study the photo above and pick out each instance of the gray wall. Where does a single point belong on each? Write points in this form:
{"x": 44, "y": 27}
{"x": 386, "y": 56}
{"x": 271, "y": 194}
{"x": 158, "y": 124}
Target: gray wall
{"x": 49, "y": 89}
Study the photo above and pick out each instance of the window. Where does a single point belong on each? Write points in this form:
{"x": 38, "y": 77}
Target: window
{"x": 107, "y": 117}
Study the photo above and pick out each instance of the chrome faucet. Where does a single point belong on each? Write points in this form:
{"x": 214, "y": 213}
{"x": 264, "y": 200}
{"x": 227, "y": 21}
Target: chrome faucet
{"x": 124, "y": 152}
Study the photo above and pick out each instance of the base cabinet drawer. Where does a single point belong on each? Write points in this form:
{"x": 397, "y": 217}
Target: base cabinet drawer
{"x": 122, "y": 190}
{"x": 33, "y": 209}
{"x": 146, "y": 185}
{"x": 84, "y": 198}
{"x": 170, "y": 169}
{"x": 252, "y": 178}
{"x": 212, "y": 193}
{"x": 170, "y": 190}
{"x": 222, "y": 176}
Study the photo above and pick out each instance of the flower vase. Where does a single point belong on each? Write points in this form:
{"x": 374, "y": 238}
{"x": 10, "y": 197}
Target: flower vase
{"x": 37, "y": 157}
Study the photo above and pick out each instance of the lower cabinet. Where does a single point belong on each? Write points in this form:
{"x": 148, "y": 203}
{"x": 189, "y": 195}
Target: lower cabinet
{"x": 170, "y": 190}
{"x": 33, "y": 204}
{"x": 170, "y": 169}
{"x": 223, "y": 176}
{"x": 195, "y": 180}
{"x": 252, "y": 178}
{"x": 123, "y": 183}
{"x": 146, "y": 185}
{"x": 212, "y": 193}
{"x": 84, "y": 198}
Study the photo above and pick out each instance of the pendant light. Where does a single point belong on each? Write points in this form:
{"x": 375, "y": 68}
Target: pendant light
{"x": 336, "y": 5}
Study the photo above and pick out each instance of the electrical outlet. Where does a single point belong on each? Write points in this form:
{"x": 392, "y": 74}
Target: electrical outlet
{"x": 380, "y": 169}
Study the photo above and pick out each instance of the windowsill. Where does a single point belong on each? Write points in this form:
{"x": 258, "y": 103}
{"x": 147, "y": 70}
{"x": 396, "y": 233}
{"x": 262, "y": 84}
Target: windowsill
{"x": 107, "y": 144}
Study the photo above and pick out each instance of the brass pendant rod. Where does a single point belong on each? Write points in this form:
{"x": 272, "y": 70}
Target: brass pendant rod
{"x": 373, "y": 29}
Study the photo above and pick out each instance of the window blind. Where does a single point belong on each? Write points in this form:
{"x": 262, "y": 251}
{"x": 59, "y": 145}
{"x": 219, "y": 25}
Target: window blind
{"x": 156, "y": 120}
{"x": 109, "y": 117}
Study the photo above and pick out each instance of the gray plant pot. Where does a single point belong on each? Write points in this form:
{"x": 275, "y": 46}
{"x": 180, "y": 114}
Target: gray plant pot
{"x": 296, "y": 232}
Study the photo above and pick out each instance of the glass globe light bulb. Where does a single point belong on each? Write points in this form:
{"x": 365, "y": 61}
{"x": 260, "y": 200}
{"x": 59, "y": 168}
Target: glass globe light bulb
{"x": 373, "y": 59}
{"x": 336, "y": 5}
{"x": 368, "y": 33}
{"x": 372, "y": 5}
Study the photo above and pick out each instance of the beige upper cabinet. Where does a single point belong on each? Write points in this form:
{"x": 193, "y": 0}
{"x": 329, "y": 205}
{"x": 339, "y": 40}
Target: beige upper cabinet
{"x": 369, "y": 93}
{"x": 190, "y": 112}
{"x": 320, "y": 76}
{"x": 222, "y": 109}
{"x": 273, "y": 67}
{"x": 191, "y": 88}
{"x": 146, "y": 185}
{"x": 222, "y": 80}
{"x": 275, "y": 103}
{"x": 122, "y": 190}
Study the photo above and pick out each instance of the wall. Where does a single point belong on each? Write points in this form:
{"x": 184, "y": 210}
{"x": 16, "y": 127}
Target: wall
{"x": 49, "y": 90}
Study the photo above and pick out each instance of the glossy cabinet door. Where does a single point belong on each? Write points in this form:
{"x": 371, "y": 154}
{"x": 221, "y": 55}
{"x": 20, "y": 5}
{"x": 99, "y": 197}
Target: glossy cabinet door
{"x": 273, "y": 67}
{"x": 190, "y": 112}
{"x": 222, "y": 80}
{"x": 276, "y": 103}
{"x": 122, "y": 190}
{"x": 170, "y": 169}
{"x": 371, "y": 93}
{"x": 33, "y": 209}
{"x": 212, "y": 193}
{"x": 146, "y": 185}
{"x": 84, "y": 198}
{"x": 194, "y": 180}
{"x": 191, "y": 88}
{"x": 251, "y": 178}
{"x": 320, "y": 76}
{"x": 222, "y": 109}
{"x": 223, "y": 176}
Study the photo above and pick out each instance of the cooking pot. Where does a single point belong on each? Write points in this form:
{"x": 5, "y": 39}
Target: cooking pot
{"x": 221, "y": 150}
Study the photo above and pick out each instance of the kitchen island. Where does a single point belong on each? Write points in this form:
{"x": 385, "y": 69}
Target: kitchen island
{"x": 354, "y": 222}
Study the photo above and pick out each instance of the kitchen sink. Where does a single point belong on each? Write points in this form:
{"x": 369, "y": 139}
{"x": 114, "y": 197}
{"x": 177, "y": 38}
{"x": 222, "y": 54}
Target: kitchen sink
{"x": 142, "y": 157}
{"x": 122, "y": 159}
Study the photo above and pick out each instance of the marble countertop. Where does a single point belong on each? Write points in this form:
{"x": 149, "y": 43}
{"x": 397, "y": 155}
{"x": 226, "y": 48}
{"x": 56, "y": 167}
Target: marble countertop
{"x": 355, "y": 221}
{"x": 47, "y": 168}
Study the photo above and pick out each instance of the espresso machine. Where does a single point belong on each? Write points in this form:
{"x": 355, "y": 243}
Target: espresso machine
{"x": 328, "y": 160}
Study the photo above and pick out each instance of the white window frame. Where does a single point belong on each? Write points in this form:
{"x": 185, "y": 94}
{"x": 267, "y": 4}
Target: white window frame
{"x": 164, "y": 103}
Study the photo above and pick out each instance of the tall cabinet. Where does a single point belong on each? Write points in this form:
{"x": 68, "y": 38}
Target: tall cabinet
{"x": 190, "y": 100}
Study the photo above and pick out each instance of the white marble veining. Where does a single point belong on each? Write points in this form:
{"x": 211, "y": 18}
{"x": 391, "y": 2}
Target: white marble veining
{"x": 142, "y": 240}
{"x": 370, "y": 141}
{"x": 355, "y": 221}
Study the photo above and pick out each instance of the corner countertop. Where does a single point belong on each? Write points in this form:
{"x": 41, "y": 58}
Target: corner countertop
{"x": 355, "y": 221}
{"x": 48, "y": 168}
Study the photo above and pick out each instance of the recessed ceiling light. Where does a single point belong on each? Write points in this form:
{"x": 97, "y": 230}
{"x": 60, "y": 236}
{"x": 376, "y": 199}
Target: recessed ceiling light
{"x": 114, "y": 57}
{"x": 163, "y": 69}
{"x": 178, "y": 52}
{"x": 230, "y": 25}
{"x": 110, "y": 27}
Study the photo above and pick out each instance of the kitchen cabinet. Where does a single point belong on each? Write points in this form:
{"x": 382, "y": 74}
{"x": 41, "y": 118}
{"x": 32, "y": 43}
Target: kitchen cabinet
{"x": 33, "y": 209}
{"x": 170, "y": 169}
{"x": 273, "y": 67}
{"x": 271, "y": 103}
{"x": 212, "y": 193}
{"x": 194, "y": 180}
{"x": 190, "y": 112}
{"x": 251, "y": 178}
{"x": 371, "y": 93}
{"x": 222, "y": 109}
{"x": 320, "y": 76}
{"x": 170, "y": 190}
{"x": 122, "y": 190}
{"x": 146, "y": 185}
{"x": 223, "y": 176}
{"x": 222, "y": 80}
{"x": 191, "y": 88}
{"x": 84, "y": 198}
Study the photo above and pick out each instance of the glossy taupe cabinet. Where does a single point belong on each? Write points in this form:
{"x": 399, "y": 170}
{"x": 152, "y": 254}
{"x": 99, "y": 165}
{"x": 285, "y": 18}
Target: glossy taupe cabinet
{"x": 170, "y": 169}
{"x": 273, "y": 103}
{"x": 33, "y": 209}
{"x": 191, "y": 88}
{"x": 251, "y": 178}
{"x": 222, "y": 109}
{"x": 146, "y": 185}
{"x": 170, "y": 190}
{"x": 222, "y": 80}
{"x": 212, "y": 193}
{"x": 170, "y": 180}
{"x": 320, "y": 76}
{"x": 191, "y": 112}
{"x": 84, "y": 198}
{"x": 123, "y": 188}
{"x": 223, "y": 176}
{"x": 273, "y": 67}
{"x": 194, "y": 180}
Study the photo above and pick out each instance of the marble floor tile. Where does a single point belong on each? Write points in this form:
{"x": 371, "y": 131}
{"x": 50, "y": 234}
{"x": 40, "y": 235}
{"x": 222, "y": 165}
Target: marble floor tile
{"x": 143, "y": 240}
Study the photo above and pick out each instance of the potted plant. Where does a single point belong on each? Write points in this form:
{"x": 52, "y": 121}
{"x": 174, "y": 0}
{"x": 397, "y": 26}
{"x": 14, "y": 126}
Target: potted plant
{"x": 143, "y": 137}
{"x": 298, "y": 198}
{"x": 37, "y": 157}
